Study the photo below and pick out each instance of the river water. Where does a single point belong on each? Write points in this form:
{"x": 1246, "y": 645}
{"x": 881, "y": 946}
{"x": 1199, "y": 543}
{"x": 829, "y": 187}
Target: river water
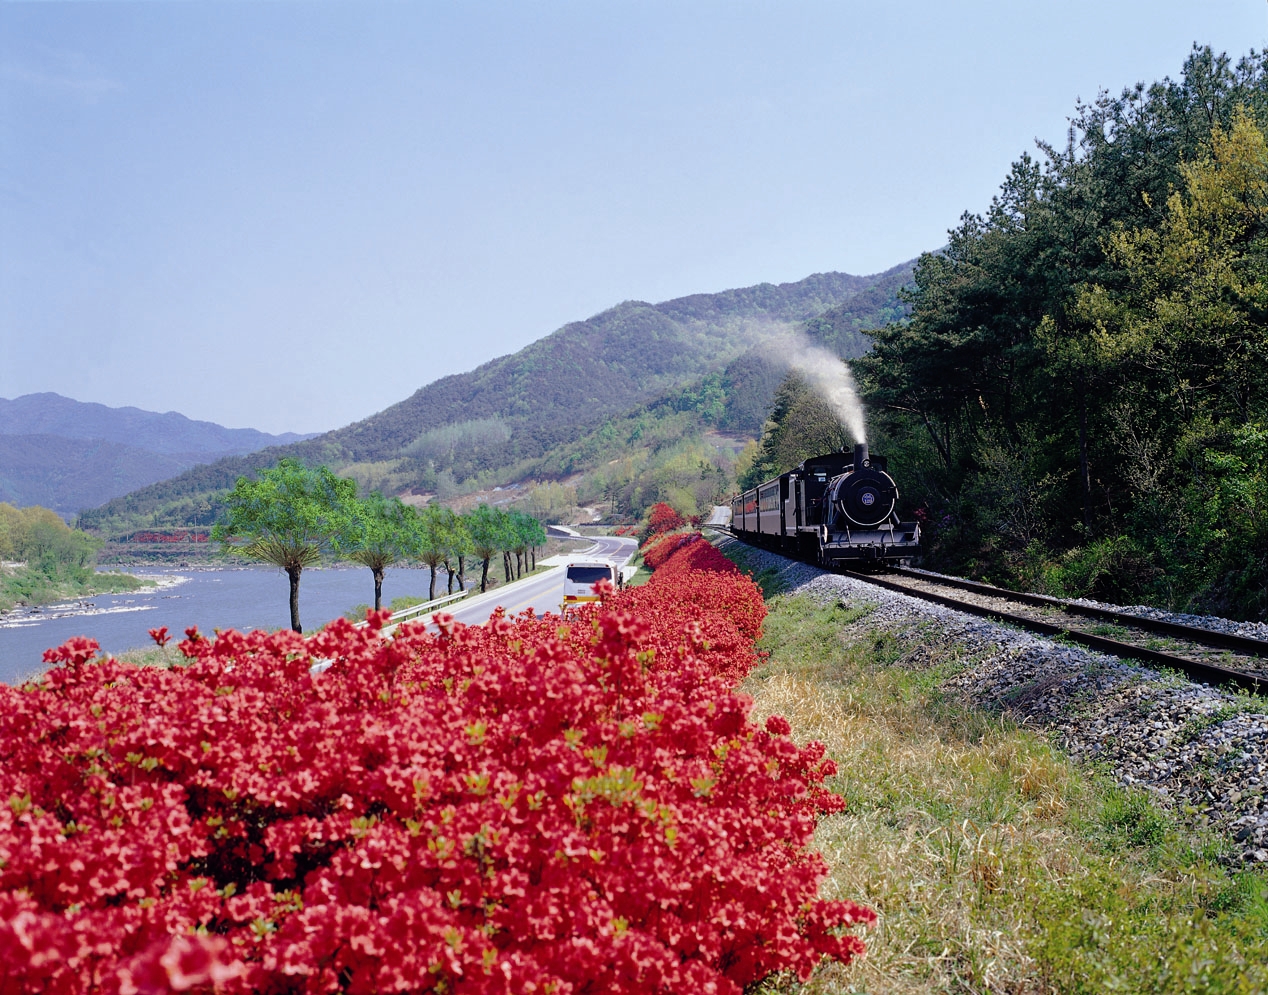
{"x": 225, "y": 598}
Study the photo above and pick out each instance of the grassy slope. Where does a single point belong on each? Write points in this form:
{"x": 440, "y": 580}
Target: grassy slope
{"x": 993, "y": 862}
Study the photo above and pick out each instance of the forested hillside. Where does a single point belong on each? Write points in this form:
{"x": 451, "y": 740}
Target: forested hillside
{"x": 69, "y": 474}
{"x": 801, "y": 425}
{"x": 1080, "y": 399}
{"x": 538, "y": 413}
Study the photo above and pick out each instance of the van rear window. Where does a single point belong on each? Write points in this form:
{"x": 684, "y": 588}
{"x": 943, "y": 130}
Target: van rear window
{"x": 588, "y": 575}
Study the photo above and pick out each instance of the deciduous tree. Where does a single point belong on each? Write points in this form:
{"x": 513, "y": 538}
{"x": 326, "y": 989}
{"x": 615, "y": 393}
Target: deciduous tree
{"x": 487, "y": 527}
{"x": 379, "y": 535}
{"x": 430, "y": 537}
{"x": 287, "y": 516}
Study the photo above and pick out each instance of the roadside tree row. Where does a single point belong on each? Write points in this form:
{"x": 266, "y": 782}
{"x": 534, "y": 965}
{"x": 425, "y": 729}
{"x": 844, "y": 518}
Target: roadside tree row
{"x": 292, "y": 514}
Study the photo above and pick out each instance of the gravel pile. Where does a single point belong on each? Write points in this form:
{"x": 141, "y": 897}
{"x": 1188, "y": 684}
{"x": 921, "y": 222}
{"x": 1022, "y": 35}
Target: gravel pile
{"x": 1201, "y": 750}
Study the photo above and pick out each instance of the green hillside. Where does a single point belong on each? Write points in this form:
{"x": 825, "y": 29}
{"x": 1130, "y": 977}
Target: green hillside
{"x": 531, "y": 414}
{"x": 68, "y": 474}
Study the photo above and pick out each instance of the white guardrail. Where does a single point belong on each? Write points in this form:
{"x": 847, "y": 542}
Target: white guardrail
{"x": 405, "y": 614}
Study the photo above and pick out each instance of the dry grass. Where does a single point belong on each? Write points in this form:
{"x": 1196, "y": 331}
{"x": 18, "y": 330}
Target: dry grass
{"x": 964, "y": 832}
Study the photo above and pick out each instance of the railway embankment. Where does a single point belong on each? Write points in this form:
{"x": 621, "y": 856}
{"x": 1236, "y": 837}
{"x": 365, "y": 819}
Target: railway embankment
{"x": 1200, "y": 751}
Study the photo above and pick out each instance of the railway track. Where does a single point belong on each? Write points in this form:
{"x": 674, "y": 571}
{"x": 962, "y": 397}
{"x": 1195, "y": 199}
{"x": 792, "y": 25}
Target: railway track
{"x": 1211, "y": 657}
{"x": 1218, "y": 658}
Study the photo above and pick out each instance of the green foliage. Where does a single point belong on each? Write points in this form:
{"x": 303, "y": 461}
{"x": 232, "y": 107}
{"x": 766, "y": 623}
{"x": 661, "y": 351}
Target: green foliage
{"x": 1129, "y": 820}
{"x": 527, "y": 532}
{"x": 1086, "y": 364}
{"x": 448, "y": 442}
{"x": 552, "y": 502}
{"x": 287, "y": 516}
{"x": 432, "y": 526}
{"x": 1096, "y": 934}
{"x": 47, "y": 560}
{"x": 378, "y": 535}
{"x": 491, "y": 531}
{"x": 38, "y": 537}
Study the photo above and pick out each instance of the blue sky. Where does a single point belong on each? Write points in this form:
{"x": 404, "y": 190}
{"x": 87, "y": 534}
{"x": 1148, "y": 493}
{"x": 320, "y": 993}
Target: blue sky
{"x": 289, "y": 216}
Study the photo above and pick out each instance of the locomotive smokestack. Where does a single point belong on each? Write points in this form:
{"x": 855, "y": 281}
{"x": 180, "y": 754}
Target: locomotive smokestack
{"x": 860, "y": 455}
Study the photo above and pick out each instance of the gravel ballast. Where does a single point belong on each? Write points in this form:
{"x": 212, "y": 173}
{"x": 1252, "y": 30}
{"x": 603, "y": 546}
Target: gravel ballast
{"x": 1200, "y": 750}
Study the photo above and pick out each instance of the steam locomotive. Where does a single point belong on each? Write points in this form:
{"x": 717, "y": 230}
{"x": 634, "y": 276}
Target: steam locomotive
{"x": 835, "y": 510}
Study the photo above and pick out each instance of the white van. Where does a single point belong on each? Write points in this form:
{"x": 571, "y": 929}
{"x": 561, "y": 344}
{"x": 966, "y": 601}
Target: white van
{"x": 580, "y": 576}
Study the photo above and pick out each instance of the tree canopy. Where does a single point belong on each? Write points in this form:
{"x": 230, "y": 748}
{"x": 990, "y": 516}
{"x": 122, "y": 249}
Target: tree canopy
{"x": 1080, "y": 398}
{"x": 379, "y": 535}
{"x": 287, "y": 516}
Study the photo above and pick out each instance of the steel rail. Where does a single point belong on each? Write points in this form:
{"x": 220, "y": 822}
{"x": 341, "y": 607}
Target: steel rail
{"x": 1206, "y": 672}
{"x": 1224, "y": 640}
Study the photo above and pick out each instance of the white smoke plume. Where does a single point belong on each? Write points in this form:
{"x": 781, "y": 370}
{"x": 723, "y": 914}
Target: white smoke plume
{"x": 829, "y": 375}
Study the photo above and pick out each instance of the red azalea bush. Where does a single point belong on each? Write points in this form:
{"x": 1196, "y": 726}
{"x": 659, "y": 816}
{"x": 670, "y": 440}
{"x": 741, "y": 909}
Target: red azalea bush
{"x": 662, "y": 518}
{"x": 693, "y": 569}
{"x": 523, "y": 806}
{"x": 695, "y": 585}
{"x": 661, "y": 547}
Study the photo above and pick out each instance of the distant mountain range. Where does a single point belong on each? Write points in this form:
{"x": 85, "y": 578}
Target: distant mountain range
{"x": 171, "y": 432}
{"x": 69, "y": 455}
{"x": 521, "y": 413}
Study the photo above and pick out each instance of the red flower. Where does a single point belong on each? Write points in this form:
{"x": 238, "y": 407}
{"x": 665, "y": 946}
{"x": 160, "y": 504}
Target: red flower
{"x": 525, "y": 805}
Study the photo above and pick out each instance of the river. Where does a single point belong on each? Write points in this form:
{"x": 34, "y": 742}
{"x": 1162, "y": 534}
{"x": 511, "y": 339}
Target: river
{"x": 210, "y": 598}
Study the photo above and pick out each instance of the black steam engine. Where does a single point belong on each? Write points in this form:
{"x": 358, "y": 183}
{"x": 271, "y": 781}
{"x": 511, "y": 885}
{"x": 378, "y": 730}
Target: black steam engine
{"x": 835, "y": 510}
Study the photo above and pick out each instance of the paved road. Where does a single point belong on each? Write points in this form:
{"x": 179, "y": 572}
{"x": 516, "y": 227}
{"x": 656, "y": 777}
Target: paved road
{"x": 543, "y": 592}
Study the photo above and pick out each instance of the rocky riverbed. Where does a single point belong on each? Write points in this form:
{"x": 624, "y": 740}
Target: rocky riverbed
{"x": 1200, "y": 750}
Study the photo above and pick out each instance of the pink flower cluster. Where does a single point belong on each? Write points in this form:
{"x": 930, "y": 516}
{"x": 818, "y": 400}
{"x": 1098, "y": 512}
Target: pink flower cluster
{"x": 524, "y": 806}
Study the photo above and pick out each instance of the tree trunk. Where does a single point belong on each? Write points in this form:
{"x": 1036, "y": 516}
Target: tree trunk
{"x": 484, "y": 575}
{"x": 448, "y": 578}
{"x": 431, "y": 591}
{"x": 519, "y": 564}
{"x": 944, "y": 448}
{"x": 378, "y": 588}
{"x": 293, "y": 573}
{"x": 506, "y": 567}
{"x": 462, "y": 569}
